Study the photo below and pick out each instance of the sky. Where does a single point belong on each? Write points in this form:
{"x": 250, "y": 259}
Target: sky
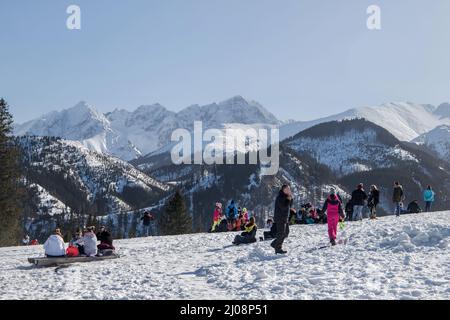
{"x": 300, "y": 59}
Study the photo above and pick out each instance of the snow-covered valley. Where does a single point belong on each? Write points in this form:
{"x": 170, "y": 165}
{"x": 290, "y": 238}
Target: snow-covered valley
{"x": 390, "y": 258}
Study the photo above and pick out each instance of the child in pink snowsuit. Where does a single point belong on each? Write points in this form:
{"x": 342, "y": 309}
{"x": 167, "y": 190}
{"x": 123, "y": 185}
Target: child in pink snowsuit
{"x": 333, "y": 207}
{"x": 217, "y": 216}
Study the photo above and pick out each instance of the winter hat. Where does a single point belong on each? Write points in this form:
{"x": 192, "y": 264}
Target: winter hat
{"x": 219, "y": 205}
{"x": 244, "y": 210}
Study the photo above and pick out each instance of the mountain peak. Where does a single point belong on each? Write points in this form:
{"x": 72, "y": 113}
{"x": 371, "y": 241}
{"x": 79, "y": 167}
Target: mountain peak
{"x": 443, "y": 110}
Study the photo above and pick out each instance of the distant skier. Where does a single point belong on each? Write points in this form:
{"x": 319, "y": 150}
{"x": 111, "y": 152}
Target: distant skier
{"x": 428, "y": 197}
{"x": 333, "y": 206}
{"x": 373, "y": 200}
{"x": 148, "y": 221}
{"x": 54, "y": 246}
{"x": 358, "y": 198}
{"x": 397, "y": 198}
{"x": 232, "y": 215}
{"x": 217, "y": 216}
{"x": 249, "y": 235}
{"x": 283, "y": 205}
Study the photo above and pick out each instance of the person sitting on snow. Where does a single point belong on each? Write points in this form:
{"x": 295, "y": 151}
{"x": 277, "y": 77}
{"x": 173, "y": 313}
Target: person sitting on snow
{"x": 54, "y": 246}
{"x": 77, "y": 241}
{"x": 273, "y": 230}
{"x": 333, "y": 207}
{"x": 413, "y": 207}
{"x": 90, "y": 242}
{"x": 26, "y": 240}
{"x": 106, "y": 240}
{"x": 249, "y": 235}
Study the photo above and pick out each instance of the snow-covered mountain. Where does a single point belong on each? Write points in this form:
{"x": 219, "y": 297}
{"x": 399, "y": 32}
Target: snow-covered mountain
{"x": 390, "y": 258}
{"x": 129, "y": 135}
{"x": 67, "y": 181}
{"x": 405, "y": 120}
{"x": 437, "y": 140}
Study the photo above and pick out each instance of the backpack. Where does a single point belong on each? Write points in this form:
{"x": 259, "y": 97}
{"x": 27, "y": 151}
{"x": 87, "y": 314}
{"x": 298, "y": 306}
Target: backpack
{"x": 72, "y": 251}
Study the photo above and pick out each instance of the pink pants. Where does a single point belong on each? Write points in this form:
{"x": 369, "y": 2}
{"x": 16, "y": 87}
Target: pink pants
{"x": 333, "y": 221}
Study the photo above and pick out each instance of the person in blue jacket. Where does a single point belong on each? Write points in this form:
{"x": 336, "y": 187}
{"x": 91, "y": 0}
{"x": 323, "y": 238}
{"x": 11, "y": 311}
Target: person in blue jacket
{"x": 232, "y": 214}
{"x": 428, "y": 197}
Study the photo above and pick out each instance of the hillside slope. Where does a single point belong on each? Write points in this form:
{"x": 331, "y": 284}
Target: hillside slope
{"x": 404, "y": 258}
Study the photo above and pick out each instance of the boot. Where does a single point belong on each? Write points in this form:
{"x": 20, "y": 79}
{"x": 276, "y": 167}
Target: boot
{"x": 280, "y": 251}
{"x": 333, "y": 242}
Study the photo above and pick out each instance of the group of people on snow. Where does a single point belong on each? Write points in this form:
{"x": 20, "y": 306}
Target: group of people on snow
{"x": 233, "y": 219}
{"x": 83, "y": 243}
{"x": 332, "y": 212}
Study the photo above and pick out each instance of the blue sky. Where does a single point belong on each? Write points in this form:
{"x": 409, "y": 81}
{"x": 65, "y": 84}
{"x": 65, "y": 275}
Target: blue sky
{"x": 300, "y": 59}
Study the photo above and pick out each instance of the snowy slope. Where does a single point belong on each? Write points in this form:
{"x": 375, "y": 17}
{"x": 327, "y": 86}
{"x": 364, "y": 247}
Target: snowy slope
{"x": 438, "y": 140}
{"x": 405, "y": 120}
{"x": 405, "y": 258}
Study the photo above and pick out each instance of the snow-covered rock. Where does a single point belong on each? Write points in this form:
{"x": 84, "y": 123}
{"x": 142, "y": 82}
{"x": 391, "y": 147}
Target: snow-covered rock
{"x": 390, "y": 258}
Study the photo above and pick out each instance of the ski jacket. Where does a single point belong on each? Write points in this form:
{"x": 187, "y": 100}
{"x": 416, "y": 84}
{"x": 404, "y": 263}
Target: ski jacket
{"x": 148, "y": 218}
{"x": 283, "y": 205}
{"x": 428, "y": 195}
{"x": 333, "y": 207}
{"x": 90, "y": 244}
{"x": 358, "y": 197}
{"x": 397, "y": 196}
{"x": 54, "y": 246}
{"x": 217, "y": 214}
{"x": 374, "y": 198}
{"x": 232, "y": 212}
{"x": 105, "y": 237}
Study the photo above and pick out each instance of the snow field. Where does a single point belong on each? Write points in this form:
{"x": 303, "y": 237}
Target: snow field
{"x": 390, "y": 258}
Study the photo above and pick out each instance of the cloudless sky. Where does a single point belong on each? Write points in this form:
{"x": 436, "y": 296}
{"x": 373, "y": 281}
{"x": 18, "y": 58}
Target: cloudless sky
{"x": 299, "y": 59}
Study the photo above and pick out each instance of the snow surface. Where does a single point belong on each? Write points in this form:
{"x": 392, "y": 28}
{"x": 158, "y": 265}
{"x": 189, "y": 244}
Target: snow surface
{"x": 390, "y": 258}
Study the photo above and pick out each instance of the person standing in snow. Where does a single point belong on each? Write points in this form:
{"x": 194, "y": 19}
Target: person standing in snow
{"x": 232, "y": 214}
{"x": 373, "y": 200}
{"x": 90, "y": 242}
{"x": 428, "y": 197}
{"x": 358, "y": 198}
{"x": 54, "y": 246}
{"x": 283, "y": 205}
{"x": 147, "y": 221}
{"x": 397, "y": 198}
{"x": 217, "y": 216}
{"x": 333, "y": 207}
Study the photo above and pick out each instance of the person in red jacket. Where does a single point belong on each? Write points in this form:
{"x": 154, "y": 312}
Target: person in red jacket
{"x": 333, "y": 207}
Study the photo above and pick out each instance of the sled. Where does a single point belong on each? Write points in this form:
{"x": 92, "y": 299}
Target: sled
{"x": 47, "y": 262}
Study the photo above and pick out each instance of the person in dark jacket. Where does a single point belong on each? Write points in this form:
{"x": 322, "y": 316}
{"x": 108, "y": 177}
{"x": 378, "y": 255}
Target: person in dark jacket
{"x": 249, "y": 235}
{"x": 105, "y": 238}
{"x": 358, "y": 198}
{"x": 349, "y": 210}
{"x": 413, "y": 207}
{"x": 273, "y": 231}
{"x": 283, "y": 205}
{"x": 397, "y": 198}
{"x": 148, "y": 220}
{"x": 373, "y": 200}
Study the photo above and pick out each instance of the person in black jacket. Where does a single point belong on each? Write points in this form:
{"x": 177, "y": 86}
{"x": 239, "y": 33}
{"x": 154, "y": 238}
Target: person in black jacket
{"x": 105, "y": 238}
{"x": 249, "y": 235}
{"x": 373, "y": 200}
{"x": 283, "y": 205}
{"x": 358, "y": 198}
{"x": 148, "y": 220}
